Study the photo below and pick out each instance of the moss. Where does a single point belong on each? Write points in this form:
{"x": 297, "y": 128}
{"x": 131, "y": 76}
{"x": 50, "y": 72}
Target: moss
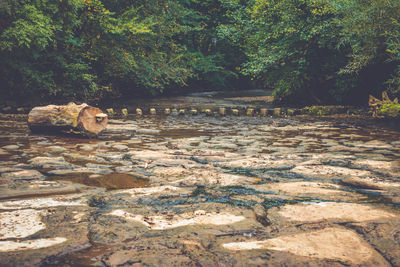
{"x": 390, "y": 110}
{"x": 324, "y": 110}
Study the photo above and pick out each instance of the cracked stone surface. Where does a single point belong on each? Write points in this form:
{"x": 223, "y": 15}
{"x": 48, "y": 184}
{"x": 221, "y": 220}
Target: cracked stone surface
{"x": 330, "y": 243}
{"x": 202, "y": 191}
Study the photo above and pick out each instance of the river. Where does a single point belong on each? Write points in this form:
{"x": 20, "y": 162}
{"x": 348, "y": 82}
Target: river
{"x": 202, "y": 191}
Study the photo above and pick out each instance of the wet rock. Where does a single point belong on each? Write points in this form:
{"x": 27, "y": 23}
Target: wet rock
{"x": 97, "y": 166}
{"x": 362, "y": 183}
{"x": 8, "y": 246}
{"x": 277, "y": 111}
{"x": 54, "y": 229}
{"x": 20, "y": 224}
{"x": 122, "y": 169}
{"x": 376, "y": 144}
{"x": 291, "y": 112}
{"x": 90, "y": 168}
{"x": 120, "y": 147}
{"x": 57, "y": 149}
{"x": 69, "y": 171}
{"x": 384, "y": 237}
{"x": 24, "y": 175}
{"x": 263, "y": 112}
{"x": 11, "y": 147}
{"x": 83, "y": 157}
{"x": 261, "y": 215}
{"x": 207, "y": 177}
{"x": 147, "y": 131}
{"x": 149, "y": 155}
{"x": 170, "y": 253}
{"x": 3, "y": 152}
{"x": 174, "y": 112}
{"x": 161, "y": 222}
{"x": 37, "y": 188}
{"x": 309, "y": 189}
{"x": 330, "y": 171}
{"x": 49, "y": 162}
{"x": 372, "y": 164}
{"x": 250, "y": 112}
{"x": 7, "y": 169}
{"x": 332, "y": 211}
{"x": 260, "y": 163}
{"x": 166, "y": 190}
{"x": 235, "y": 112}
{"x": 171, "y": 172}
{"x": 110, "y": 111}
{"x": 7, "y": 109}
{"x": 247, "y": 198}
{"x": 41, "y": 203}
{"x": 333, "y": 243}
{"x": 85, "y": 147}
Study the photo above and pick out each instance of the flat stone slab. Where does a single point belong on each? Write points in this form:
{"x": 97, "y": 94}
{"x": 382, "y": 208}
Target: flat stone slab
{"x": 20, "y": 223}
{"x": 39, "y": 203}
{"x": 11, "y": 147}
{"x": 49, "y": 162}
{"x": 329, "y": 171}
{"x": 155, "y": 191}
{"x": 24, "y": 175}
{"x": 7, "y": 246}
{"x": 162, "y": 222}
{"x": 313, "y": 189}
{"x": 333, "y": 211}
{"x": 331, "y": 243}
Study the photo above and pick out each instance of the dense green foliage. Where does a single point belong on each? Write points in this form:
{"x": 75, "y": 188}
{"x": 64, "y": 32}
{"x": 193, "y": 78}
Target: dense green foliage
{"x": 311, "y": 51}
{"x": 319, "y": 50}
{"x": 390, "y": 110}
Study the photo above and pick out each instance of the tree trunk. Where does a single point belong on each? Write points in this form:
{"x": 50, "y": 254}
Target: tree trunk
{"x": 78, "y": 119}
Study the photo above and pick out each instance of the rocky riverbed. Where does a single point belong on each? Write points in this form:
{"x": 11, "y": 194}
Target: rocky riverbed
{"x": 202, "y": 191}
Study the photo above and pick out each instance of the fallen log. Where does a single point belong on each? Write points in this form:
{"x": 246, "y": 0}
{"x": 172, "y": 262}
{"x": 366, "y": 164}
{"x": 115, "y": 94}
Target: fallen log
{"x": 78, "y": 119}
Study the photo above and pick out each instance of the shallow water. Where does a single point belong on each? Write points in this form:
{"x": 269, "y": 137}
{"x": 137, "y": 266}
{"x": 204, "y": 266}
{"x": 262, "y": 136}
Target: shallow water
{"x": 198, "y": 190}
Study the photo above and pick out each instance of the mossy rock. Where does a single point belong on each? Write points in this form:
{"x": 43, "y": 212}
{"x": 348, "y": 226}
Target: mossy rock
{"x": 324, "y": 110}
{"x": 390, "y": 110}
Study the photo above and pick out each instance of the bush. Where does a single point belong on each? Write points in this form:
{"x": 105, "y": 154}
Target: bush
{"x": 390, "y": 110}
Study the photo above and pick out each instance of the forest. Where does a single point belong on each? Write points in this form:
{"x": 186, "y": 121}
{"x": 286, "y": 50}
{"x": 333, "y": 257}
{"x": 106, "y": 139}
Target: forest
{"x": 306, "y": 51}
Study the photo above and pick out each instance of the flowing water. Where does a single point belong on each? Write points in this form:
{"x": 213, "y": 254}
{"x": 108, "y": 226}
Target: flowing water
{"x": 202, "y": 191}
